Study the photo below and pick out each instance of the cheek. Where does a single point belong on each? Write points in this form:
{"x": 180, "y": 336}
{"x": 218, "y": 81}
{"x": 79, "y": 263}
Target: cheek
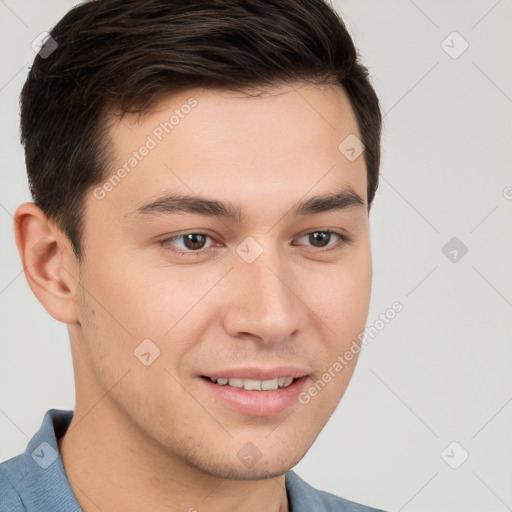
{"x": 124, "y": 325}
{"x": 118, "y": 314}
{"x": 133, "y": 299}
{"x": 341, "y": 295}
{"x": 130, "y": 302}
{"x": 343, "y": 308}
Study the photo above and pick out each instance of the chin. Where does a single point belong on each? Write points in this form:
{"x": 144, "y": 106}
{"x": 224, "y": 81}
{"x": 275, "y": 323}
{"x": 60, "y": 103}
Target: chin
{"x": 236, "y": 472}
{"x": 258, "y": 469}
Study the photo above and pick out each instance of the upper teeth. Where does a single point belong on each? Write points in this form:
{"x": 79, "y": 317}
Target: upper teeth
{"x": 260, "y": 385}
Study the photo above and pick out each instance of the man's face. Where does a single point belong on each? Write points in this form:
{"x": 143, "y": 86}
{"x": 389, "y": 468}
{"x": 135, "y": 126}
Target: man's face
{"x": 266, "y": 296}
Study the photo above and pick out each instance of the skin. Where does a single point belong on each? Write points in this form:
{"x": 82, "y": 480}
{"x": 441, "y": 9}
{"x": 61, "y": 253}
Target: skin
{"x": 153, "y": 437}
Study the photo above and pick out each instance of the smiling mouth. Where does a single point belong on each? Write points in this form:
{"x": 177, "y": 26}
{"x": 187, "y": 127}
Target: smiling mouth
{"x": 254, "y": 385}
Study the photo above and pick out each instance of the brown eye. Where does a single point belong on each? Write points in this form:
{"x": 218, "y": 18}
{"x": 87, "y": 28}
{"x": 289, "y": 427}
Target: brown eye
{"x": 322, "y": 239}
{"x": 319, "y": 238}
{"x": 190, "y": 242}
{"x": 194, "y": 241}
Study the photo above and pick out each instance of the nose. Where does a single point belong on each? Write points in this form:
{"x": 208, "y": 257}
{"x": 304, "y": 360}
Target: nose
{"x": 264, "y": 300}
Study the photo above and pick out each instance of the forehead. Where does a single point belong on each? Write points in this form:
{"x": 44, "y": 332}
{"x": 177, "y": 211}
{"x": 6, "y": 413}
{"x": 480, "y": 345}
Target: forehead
{"x": 275, "y": 146}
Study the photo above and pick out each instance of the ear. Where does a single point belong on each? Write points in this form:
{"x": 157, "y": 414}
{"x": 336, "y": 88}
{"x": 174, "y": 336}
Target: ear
{"x": 49, "y": 263}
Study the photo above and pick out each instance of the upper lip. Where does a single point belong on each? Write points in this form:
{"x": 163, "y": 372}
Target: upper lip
{"x": 258, "y": 373}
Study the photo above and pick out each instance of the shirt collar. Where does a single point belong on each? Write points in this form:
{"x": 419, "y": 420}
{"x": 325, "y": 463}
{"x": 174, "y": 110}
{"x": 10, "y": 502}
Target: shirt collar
{"x": 45, "y": 485}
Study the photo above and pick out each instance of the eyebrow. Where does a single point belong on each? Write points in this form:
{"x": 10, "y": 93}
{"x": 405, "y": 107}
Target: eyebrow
{"x": 178, "y": 203}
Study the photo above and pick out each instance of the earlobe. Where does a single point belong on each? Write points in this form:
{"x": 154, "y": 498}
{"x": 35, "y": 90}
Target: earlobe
{"x": 48, "y": 260}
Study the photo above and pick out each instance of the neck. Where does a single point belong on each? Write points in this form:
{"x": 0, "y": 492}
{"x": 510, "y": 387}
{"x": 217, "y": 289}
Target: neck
{"x": 111, "y": 465}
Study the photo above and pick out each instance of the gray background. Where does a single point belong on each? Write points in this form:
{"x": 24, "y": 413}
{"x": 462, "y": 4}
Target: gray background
{"x": 440, "y": 371}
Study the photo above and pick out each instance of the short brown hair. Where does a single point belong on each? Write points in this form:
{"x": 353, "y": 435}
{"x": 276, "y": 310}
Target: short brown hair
{"x": 127, "y": 54}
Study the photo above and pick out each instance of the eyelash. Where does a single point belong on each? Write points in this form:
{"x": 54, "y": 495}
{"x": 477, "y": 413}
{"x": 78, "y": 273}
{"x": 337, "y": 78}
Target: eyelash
{"x": 343, "y": 240}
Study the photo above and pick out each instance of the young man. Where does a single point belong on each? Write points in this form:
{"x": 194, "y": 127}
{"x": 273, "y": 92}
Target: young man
{"x": 202, "y": 174}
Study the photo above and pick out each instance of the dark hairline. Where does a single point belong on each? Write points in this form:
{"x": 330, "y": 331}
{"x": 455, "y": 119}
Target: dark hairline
{"x": 65, "y": 133}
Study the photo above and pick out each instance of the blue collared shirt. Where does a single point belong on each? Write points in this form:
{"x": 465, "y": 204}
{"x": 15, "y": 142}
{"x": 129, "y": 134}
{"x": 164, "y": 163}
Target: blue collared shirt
{"x": 36, "y": 481}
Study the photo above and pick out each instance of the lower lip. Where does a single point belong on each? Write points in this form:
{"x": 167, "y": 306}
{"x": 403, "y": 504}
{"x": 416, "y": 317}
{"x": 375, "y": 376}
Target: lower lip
{"x": 257, "y": 403}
